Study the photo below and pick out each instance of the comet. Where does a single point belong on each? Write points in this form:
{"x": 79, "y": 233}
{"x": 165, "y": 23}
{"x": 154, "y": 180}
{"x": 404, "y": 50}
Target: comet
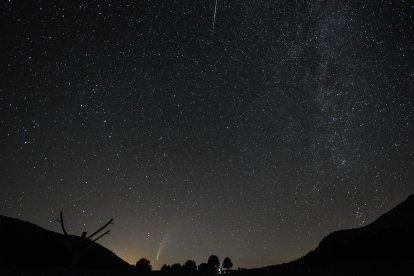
{"x": 159, "y": 252}
{"x": 214, "y": 19}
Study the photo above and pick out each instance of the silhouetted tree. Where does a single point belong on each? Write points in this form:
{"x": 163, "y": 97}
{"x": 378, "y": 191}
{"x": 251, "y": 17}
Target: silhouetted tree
{"x": 227, "y": 264}
{"x": 214, "y": 263}
{"x": 165, "y": 268}
{"x": 204, "y": 267}
{"x": 190, "y": 265}
{"x": 62, "y": 224}
{"x": 143, "y": 265}
{"x": 77, "y": 249}
{"x": 176, "y": 267}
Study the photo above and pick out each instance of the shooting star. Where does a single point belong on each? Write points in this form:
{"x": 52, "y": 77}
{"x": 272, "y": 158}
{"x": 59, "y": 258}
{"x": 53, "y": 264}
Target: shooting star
{"x": 214, "y": 19}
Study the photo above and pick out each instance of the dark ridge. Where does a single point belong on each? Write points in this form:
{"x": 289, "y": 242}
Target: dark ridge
{"x": 384, "y": 247}
{"x": 28, "y": 246}
{"x": 388, "y": 237}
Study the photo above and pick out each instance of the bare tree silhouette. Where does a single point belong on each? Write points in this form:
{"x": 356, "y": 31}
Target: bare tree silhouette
{"x": 62, "y": 224}
{"x": 76, "y": 248}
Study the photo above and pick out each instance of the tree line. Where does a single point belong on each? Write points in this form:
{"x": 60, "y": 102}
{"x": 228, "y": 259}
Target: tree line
{"x": 212, "y": 265}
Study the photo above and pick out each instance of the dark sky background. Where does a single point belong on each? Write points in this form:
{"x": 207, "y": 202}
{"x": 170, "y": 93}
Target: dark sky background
{"x": 291, "y": 120}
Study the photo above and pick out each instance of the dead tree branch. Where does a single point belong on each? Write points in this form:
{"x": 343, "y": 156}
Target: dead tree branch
{"x": 100, "y": 229}
{"x": 62, "y": 224}
{"x": 107, "y": 232}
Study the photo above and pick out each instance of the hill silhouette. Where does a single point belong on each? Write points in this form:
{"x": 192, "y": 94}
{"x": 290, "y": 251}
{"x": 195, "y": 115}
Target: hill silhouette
{"x": 391, "y": 236}
{"x": 28, "y": 246}
{"x": 384, "y": 247}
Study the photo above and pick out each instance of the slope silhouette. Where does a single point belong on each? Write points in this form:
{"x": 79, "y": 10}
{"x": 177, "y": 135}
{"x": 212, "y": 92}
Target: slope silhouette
{"x": 391, "y": 236}
{"x": 28, "y": 246}
{"x": 384, "y": 247}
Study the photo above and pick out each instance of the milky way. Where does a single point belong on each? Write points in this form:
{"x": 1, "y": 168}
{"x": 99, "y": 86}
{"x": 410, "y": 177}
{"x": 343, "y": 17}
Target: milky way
{"x": 294, "y": 121}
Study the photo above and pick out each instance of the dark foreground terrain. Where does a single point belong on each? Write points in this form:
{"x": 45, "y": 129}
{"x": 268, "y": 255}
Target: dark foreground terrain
{"x": 27, "y": 247}
{"x": 384, "y": 247}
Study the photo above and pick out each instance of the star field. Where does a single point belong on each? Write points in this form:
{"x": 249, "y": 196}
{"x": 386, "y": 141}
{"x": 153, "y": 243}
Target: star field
{"x": 292, "y": 120}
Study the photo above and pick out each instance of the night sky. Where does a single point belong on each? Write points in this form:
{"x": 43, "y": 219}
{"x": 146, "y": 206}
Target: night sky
{"x": 251, "y": 134}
